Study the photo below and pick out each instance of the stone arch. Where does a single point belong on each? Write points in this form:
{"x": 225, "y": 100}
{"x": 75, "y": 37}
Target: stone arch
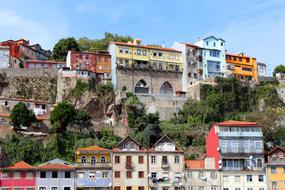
{"x": 166, "y": 89}
{"x": 141, "y": 87}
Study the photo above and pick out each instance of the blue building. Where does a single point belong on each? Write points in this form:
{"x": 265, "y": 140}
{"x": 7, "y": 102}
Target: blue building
{"x": 214, "y": 60}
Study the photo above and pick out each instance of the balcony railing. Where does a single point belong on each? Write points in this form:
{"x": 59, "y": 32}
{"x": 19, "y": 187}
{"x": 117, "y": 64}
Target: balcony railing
{"x": 94, "y": 164}
{"x": 165, "y": 165}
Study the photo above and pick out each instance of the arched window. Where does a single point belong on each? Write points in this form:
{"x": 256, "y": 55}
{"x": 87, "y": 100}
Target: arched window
{"x": 166, "y": 89}
{"x": 103, "y": 159}
{"x": 93, "y": 160}
{"x": 141, "y": 87}
{"x": 83, "y": 159}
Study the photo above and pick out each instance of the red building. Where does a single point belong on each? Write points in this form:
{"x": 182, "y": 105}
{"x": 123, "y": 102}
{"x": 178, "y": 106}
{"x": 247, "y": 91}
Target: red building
{"x": 97, "y": 62}
{"x": 21, "y": 176}
{"x": 29, "y": 64}
{"x": 21, "y": 50}
{"x": 236, "y": 145}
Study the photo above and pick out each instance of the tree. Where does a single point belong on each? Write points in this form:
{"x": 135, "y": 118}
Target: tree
{"x": 82, "y": 120}
{"x": 61, "y": 116}
{"x": 18, "y": 147}
{"x": 87, "y": 44}
{"x": 21, "y": 116}
{"x": 62, "y": 47}
{"x": 279, "y": 69}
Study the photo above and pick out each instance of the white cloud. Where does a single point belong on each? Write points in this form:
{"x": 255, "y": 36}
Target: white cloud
{"x": 14, "y": 26}
{"x": 260, "y": 37}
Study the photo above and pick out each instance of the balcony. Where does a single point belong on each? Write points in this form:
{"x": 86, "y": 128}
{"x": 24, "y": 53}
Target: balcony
{"x": 165, "y": 165}
{"x": 129, "y": 166}
{"x": 96, "y": 165}
{"x": 164, "y": 180}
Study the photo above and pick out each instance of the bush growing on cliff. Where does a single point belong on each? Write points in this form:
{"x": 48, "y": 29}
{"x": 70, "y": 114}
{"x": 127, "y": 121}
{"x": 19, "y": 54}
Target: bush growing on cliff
{"x": 21, "y": 116}
{"x": 79, "y": 89}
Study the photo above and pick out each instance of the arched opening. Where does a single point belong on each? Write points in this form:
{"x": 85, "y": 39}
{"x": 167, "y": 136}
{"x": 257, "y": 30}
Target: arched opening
{"x": 93, "y": 160}
{"x": 141, "y": 87}
{"x": 83, "y": 159}
{"x": 103, "y": 159}
{"x": 166, "y": 89}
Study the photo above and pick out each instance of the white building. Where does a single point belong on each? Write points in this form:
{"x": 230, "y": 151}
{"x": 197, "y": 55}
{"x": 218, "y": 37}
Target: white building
{"x": 4, "y": 57}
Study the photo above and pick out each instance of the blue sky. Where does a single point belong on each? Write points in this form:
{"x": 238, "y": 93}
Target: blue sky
{"x": 256, "y": 27}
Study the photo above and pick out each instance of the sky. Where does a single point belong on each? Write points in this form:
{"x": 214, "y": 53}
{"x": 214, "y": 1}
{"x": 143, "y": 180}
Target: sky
{"x": 256, "y": 27}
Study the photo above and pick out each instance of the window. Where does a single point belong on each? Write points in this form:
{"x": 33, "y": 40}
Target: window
{"x": 141, "y": 174}
{"x": 103, "y": 159}
{"x": 93, "y": 160}
{"x": 43, "y": 175}
{"x": 249, "y": 188}
{"x": 237, "y": 188}
{"x": 237, "y": 178}
{"x": 213, "y": 175}
{"x": 54, "y": 174}
{"x": 214, "y": 44}
{"x": 54, "y": 188}
{"x": 141, "y": 159}
{"x": 104, "y": 174}
{"x": 177, "y": 159}
{"x": 214, "y": 53}
{"x": 201, "y": 188}
{"x": 117, "y": 159}
{"x": 42, "y": 188}
{"x": 66, "y": 174}
{"x": 222, "y": 43}
{"x": 207, "y": 43}
{"x": 201, "y": 174}
{"x": 29, "y": 188}
{"x": 127, "y": 51}
{"x": 129, "y": 174}
{"x": 261, "y": 188}
{"x": 29, "y": 174}
{"x": 225, "y": 178}
{"x": 159, "y": 54}
{"x": 164, "y": 160}
{"x": 249, "y": 178}
{"x": 141, "y": 188}
{"x": 153, "y": 175}
{"x": 226, "y": 189}
{"x": 139, "y": 52}
{"x": 144, "y": 52}
{"x": 66, "y": 188}
{"x": 17, "y": 188}
{"x": 129, "y": 188}
{"x": 83, "y": 159}
{"x": 153, "y": 159}
{"x": 274, "y": 185}
{"x": 154, "y": 54}
{"x": 5, "y": 175}
{"x": 17, "y": 175}
{"x": 117, "y": 174}
{"x": 117, "y": 188}
{"x": 121, "y": 50}
{"x": 214, "y": 188}
{"x": 260, "y": 178}
{"x": 92, "y": 175}
{"x": 80, "y": 175}
{"x": 273, "y": 170}
{"x": 141, "y": 87}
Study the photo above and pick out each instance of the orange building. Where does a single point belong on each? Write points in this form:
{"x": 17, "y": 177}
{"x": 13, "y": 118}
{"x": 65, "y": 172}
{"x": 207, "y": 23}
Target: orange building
{"x": 242, "y": 67}
{"x": 96, "y": 62}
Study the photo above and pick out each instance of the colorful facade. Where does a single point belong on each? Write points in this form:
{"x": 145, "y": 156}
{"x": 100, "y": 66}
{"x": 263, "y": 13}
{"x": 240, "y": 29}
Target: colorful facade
{"x": 130, "y": 166}
{"x": 242, "y": 67}
{"x": 93, "y": 168}
{"x": 96, "y": 62}
{"x": 19, "y": 176}
{"x": 275, "y": 169}
{"x": 166, "y": 166}
{"x": 214, "y": 59}
{"x": 55, "y": 175}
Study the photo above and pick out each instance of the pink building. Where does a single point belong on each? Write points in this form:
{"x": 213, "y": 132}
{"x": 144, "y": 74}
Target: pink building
{"x": 19, "y": 176}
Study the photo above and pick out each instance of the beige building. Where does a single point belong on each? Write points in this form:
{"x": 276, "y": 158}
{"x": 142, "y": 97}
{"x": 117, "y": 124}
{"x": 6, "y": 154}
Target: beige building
{"x": 202, "y": 175}
{"x": 130, "y": 166}
{"x": 243, "y": 180}
{"x": 166, "y": 166}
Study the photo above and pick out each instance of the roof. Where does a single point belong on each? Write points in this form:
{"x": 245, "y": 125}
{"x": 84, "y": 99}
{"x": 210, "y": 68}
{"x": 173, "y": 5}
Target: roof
{"x": 195, "y": 164}
{"x": 24, "y": 100}
{"x": 146, "y": 46}
{"x": 45, "y": 61}
{"x": 263, "y": 64}
{"x": 238, "y": 55}
{"x": 55, "y": 164}
{"x": 275, "y": 149}
{"x": 163, "y": 137}
{"x": 91, "y": 148}
{"x": 214, "y": 38}
{"x": 237, "y": 123}
{"x": 116, "y": 149}
{"x": 19, "y": 166}
{"x": 191, "y": 45}
{"x": 99, "y": 52}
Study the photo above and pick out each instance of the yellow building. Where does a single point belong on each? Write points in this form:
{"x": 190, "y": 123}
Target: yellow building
{"x": 276, "y": 169}
{"x": 242, "y": 67}
{"x": 94, "y": 168}
{"x": 137, "y": 56}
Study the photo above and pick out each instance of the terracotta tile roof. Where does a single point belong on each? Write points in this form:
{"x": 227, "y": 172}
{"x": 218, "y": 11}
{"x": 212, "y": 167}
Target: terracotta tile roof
{"x": 55, "y": 166}
{"x": 237, "y": 123}
{"x": 146, "y": 46}
{"x": 19, "y": 166}
{"x": 237, "y": 55}
{"x": 24, "y": 100}
{"x": 195, "y": 164}
{"x": 276, "y": 148}
{"x": 91, "y": 148}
